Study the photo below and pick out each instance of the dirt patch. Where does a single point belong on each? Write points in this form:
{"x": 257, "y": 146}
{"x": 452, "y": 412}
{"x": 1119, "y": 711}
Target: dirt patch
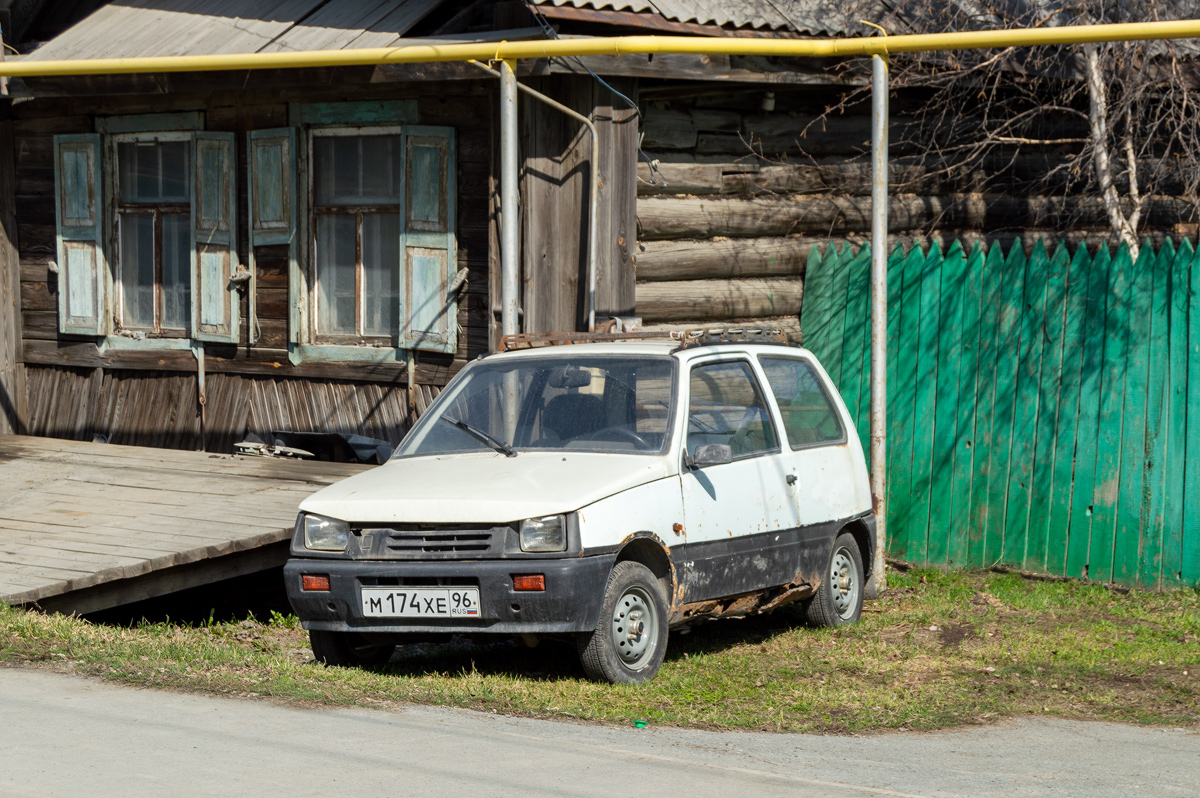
{"x": 952, "y": 636}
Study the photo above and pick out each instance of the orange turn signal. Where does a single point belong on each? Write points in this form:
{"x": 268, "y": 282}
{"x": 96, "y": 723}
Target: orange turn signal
{"x": 529, "y": 582}
{"x": 314, "y": 581}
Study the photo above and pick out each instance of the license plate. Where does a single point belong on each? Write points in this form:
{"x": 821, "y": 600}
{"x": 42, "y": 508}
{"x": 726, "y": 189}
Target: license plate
{"x": 421, "y": 602}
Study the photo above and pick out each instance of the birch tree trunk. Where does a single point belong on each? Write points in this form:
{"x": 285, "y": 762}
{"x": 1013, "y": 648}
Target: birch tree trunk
{"x": 1125, "y": 227}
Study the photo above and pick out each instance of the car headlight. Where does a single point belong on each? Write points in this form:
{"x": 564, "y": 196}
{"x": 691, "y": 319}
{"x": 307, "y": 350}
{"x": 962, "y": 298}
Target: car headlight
{"x": 325, "y": 534}
{"x": 544, "y": 534}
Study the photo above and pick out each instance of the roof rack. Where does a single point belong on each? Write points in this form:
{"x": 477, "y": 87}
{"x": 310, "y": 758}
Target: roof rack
{"x": 685, "y": 338}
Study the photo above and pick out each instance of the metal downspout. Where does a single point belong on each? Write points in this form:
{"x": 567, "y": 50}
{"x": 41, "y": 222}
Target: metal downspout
{"x": 510, "y": 267}
{"x": 593, "y": 200}
{"x": 879, "y": 309}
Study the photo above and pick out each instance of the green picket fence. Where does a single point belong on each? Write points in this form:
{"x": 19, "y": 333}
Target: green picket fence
{"x": 1040, "y": 413}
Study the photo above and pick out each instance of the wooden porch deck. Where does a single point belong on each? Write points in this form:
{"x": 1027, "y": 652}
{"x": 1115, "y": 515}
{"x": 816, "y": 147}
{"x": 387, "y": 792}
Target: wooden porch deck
{"x": 88, "y": 526}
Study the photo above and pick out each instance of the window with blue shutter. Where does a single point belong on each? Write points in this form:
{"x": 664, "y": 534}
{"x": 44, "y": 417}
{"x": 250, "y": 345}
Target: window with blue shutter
{"x": 82, "y": 281}
{"x": 375, "y": 263}
{"x": 161, "y": 195}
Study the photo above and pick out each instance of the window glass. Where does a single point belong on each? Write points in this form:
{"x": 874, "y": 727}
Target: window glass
{"x": 176, "y": 274}
{"x": 356, "y": 189}
{"x": 154, "y": 234}
{"x": 154, "y": 171}
{"x": 381, "y": 273}
{"x": 727, "y": 407}
{"x": 356, "y": 170}
{"x": 808, "y": 415}
{"x": 336, "y": 247}
{"x": 597, "y": 404}
{"x": 137, "y": 269}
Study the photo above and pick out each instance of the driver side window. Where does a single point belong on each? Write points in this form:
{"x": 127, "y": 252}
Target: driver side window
{"x": 726, "y": 406}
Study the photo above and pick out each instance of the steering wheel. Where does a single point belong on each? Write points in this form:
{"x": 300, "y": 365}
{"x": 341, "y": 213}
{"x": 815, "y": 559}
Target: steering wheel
{"x": 624, "y": 433}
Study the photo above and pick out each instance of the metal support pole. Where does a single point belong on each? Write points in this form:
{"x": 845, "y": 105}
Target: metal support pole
{"x": 879, "y": 310}
{"x": 510, "y": 267}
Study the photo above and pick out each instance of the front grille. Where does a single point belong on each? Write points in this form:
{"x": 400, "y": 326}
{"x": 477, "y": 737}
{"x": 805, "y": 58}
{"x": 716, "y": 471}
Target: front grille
{"x": 429, "y": 542}
{"x": 460, "y": 541}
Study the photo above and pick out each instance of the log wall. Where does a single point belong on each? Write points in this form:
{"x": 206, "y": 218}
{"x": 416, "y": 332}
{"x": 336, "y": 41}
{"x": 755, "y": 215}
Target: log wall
{"x": 75, "y": 390}
{"x": 741, "y": 196}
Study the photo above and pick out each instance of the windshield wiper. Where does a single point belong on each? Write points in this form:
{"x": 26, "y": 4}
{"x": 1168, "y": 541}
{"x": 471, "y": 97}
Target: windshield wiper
{"x": 481, "y": 436}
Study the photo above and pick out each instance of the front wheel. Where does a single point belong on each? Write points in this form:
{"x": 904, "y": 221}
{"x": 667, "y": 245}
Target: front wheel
{"x": 630, "y": 642}
{"x": 839, "y": 597}
{"x": 348, "y": 649}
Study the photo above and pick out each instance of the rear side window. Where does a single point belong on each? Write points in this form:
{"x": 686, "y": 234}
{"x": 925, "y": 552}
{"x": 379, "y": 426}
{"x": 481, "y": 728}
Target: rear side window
{"x": 809, "y": 417}
{"x": 727, "y": 407}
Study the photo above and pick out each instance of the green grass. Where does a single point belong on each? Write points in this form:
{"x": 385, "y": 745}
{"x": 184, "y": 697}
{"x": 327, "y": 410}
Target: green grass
{"x": 938, "y": 650}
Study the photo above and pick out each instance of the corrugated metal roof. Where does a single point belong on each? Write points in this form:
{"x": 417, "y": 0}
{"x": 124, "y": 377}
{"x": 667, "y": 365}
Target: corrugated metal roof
{"x": 755, "y": 14}
{"x": 844, "y": 17}
{"x": 132, "y": 28}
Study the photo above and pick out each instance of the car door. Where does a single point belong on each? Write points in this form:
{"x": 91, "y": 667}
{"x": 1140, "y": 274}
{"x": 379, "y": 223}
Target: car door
{"x": 737, "y": 514}
{"x": 816, "y": 447}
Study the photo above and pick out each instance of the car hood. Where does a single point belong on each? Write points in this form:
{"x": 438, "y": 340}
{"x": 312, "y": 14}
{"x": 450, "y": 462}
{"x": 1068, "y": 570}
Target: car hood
{"x": 482, "y": 487}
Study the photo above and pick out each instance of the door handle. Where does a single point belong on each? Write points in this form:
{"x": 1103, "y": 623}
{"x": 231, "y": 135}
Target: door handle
{"x": 791, "y": 479}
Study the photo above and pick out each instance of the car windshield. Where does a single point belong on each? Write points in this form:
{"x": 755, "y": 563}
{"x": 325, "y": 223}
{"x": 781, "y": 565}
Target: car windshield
{"x": 566, "y": 402}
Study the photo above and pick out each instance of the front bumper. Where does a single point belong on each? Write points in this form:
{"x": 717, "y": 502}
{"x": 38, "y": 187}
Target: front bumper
{"x": 570, "y": 603}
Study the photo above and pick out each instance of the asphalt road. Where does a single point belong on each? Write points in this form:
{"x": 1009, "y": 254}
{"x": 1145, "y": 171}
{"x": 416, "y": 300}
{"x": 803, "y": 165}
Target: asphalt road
{"x": 67, "y": 736}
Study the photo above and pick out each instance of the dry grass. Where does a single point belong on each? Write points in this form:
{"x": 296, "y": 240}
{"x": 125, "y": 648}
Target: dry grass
{"x": 938, "y": 650}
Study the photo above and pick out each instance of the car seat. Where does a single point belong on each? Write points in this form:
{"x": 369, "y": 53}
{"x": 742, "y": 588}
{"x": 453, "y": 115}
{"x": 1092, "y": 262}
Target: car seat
{"x": 573, "y": 415}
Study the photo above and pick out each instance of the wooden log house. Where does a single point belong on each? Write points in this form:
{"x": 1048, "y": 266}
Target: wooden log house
{"x": 191, "y": 257}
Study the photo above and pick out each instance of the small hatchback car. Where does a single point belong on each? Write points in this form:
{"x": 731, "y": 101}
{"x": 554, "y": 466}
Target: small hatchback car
{"x": 605, "y": 488}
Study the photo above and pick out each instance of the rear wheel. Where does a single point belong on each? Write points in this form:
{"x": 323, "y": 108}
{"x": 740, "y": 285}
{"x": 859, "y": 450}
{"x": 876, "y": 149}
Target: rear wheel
{"x": 839, "y": 597}
{"x": 349, "y": 649}
{"x": 630, "y": 642}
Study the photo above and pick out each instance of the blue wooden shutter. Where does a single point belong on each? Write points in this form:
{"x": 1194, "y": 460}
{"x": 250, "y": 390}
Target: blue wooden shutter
{"x": 214, "y": 238}
{"x": 272, "y": 172}
{"x": 79, "y": 210}
{"x": 428, "y": 311}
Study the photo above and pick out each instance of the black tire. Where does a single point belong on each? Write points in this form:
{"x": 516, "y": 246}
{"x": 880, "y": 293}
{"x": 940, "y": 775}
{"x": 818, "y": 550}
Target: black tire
{"x": 349, "y": 649}
{"x": 839, "y": 598}
{"x": 616, "y": 652}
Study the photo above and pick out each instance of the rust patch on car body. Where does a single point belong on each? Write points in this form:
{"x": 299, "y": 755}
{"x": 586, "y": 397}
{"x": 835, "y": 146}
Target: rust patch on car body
{"x": 756, "y": 603}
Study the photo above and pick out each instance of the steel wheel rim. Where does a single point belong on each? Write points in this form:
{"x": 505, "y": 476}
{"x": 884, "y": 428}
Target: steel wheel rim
{"x": 634, "y": 628}
{"x": 844, "y": 583}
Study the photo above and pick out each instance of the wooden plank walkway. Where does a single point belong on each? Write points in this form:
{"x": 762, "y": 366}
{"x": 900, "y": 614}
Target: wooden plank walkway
{"x": 87, "y": 526}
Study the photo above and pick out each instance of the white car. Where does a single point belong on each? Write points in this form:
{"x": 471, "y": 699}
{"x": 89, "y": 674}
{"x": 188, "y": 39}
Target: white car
{"x": 606, "y": 489}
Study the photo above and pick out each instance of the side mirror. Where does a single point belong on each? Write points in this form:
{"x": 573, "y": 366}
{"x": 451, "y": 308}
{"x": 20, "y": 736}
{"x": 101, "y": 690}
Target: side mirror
{"x": 710, "y": 454}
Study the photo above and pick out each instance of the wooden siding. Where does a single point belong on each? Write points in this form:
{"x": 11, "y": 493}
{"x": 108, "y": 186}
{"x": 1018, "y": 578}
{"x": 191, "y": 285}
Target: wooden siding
{"x": 555, "y": 192}
{"x": 77, "y": 390}
{"x": 161, "y": 409}
{"x": 1043, "y": 409}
